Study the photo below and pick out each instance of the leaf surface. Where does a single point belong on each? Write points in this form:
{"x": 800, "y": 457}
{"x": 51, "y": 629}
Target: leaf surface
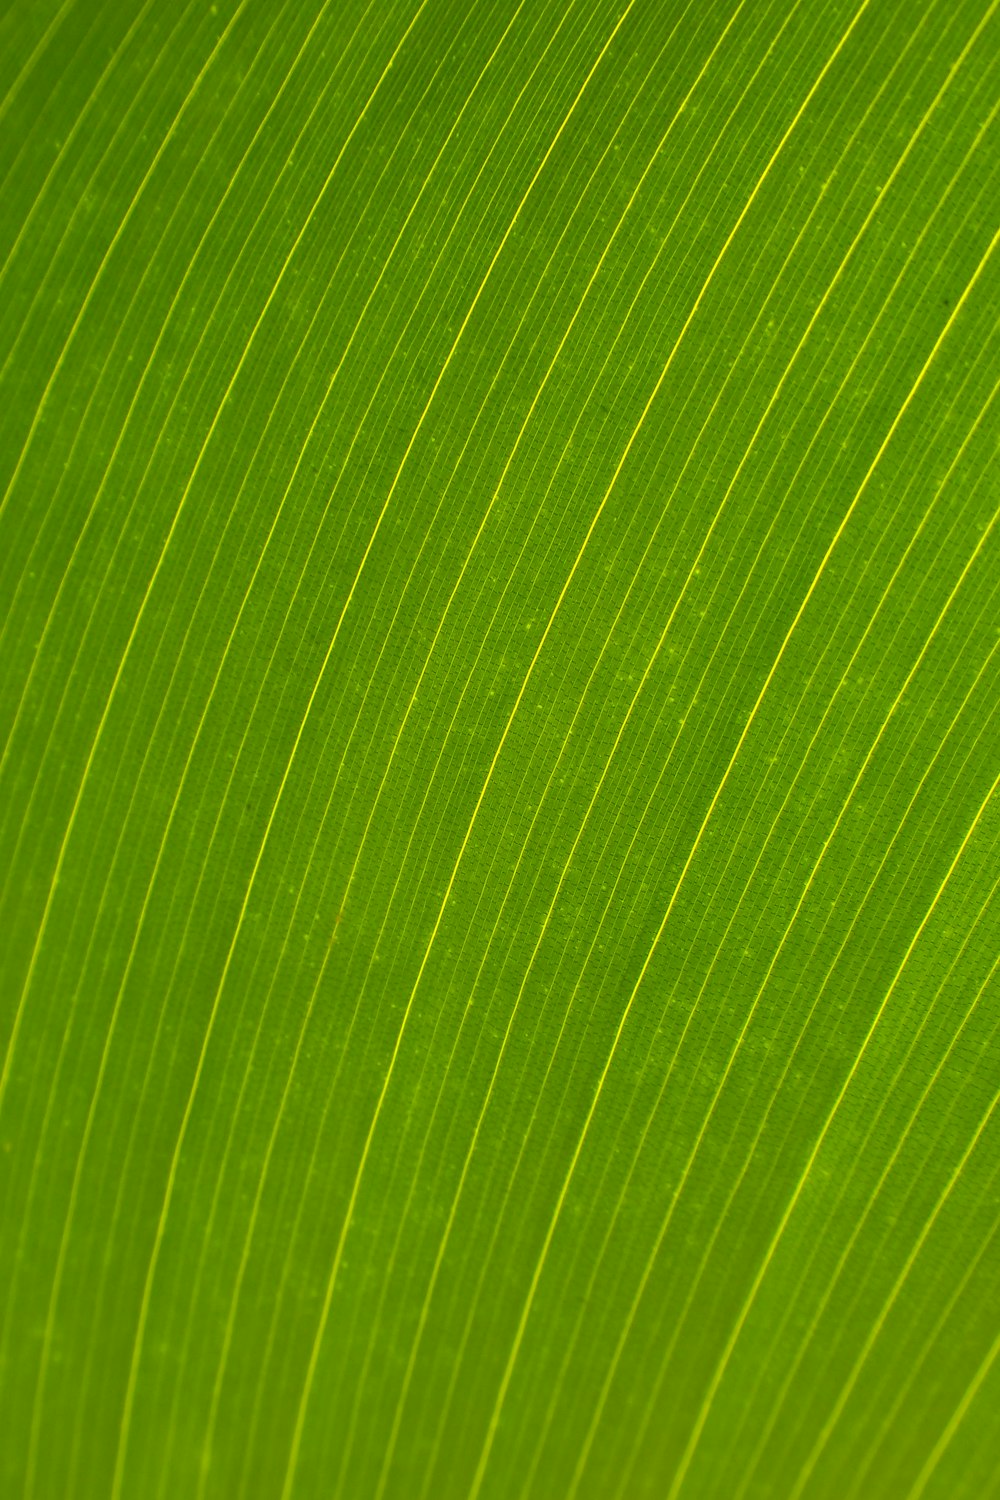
{"x": 499, "y": 565}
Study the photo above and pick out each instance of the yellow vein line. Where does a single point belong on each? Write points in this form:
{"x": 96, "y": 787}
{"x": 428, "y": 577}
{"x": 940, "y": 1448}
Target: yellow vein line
{"x": 106, "y": 1050}
{"x": 886, "y": 855}
{"x": 916, "y": 1365}
{"x": 324, "y": 1314}
{"x": 958, "y": 1415}
{"x": 838, "y": 1407}
{"x": 144, "y": 1309}
{"x": 60, "y": 860}
{"x": 284, "y": 1096}
{"x": 191, "y": 269}
{"x": 749, "y": 1154}
{"x": 288, "y": 768}
{"x": 29, "y": 63}
{"x": 722, "y": 1365}
{"x": 768, "y": 1426}
{"x": 675, "y": 1195}
{"x": 316, "y": 985}
{"x": 784, "y": 644}
{"x": 606, "y": 1385}
{"x": 230, "y": 1323}
{"x": 639, "y": 690}
{"x": 132, "y": 407}
{"x": 829, "y": 838}
{"x": 522, "y": 1324}
{"x": 302, "y": 1028}
{"x": 594, "y": 798}
{"x": 84, "y": 305}
{"x": 686, "y": 1457}
{"x": 57, "y": 1277}
{"x": 394, "y": 1431}
{"x": 57, "y": 161}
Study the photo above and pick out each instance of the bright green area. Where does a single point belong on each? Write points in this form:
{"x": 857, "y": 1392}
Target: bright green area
{"x": 500, "y": 696}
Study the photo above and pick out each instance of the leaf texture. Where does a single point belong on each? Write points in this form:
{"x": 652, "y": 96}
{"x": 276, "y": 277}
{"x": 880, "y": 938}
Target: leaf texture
{"x": 499, "y": 815}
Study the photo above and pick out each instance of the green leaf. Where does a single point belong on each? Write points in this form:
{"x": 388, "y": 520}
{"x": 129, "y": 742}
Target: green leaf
{"x": 500, "y": 639}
